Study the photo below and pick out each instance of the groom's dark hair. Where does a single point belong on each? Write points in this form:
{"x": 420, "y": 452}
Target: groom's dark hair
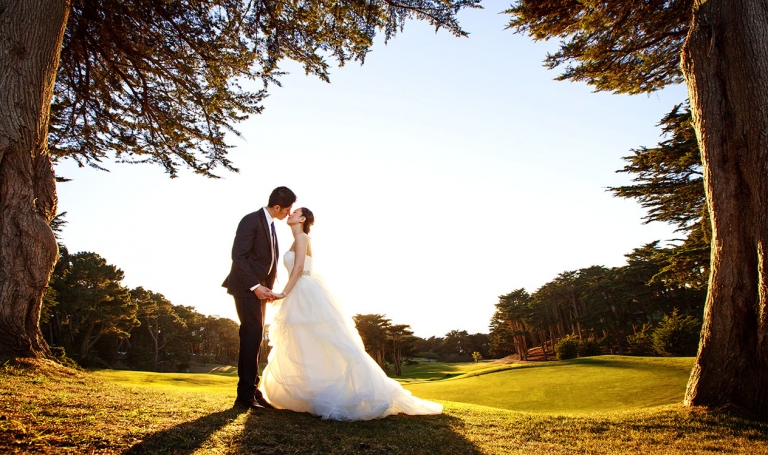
{"x": 281, "y": 196}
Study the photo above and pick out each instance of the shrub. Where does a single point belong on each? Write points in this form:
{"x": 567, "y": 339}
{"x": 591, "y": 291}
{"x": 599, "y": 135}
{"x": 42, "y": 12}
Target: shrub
{"x": 93, "y": 362}
{"x": 567, "y": 348}
{"x": 641, "y": 343}
{"x": 60, "y": 356}
{"x": 476, "y": 356}
{"x": 677, "y": 335}
{"x": 588, "y": 347}
{"x": 429, "y": 355}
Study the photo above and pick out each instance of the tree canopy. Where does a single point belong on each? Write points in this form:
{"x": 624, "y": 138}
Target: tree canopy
{"x": 631, "y": 46}
{"x": 163, "y": 82}
{"x": 668, "y": 182}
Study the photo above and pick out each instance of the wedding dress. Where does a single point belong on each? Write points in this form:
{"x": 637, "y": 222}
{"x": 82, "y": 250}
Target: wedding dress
{"x": 318, "y": 363}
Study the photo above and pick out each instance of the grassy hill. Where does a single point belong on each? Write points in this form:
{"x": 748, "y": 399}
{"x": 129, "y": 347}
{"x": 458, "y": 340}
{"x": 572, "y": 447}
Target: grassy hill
{"x": 47, "y": 409}
{"x": 593, "y": 384}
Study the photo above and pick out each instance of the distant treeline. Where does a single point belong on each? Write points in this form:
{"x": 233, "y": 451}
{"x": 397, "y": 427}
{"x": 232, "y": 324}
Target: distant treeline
{"x": 654, "y": 304}
{"x": 91, "y": 318}
{"x": 606, "y": 310}
{"x": 394, "y": 344}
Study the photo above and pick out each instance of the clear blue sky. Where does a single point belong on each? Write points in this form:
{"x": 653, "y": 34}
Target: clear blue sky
{"x": 443, "y": 173}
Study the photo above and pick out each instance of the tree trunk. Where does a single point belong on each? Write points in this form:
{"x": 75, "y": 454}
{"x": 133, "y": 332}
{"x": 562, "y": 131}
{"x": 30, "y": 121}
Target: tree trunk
{"x": 85, "y": 346}
{"x": 32, "y": 33}
{"x": 725, "y": 62}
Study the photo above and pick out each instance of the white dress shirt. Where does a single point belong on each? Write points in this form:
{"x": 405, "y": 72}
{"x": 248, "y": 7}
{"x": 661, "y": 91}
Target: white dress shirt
{"x": 271, "y": 242}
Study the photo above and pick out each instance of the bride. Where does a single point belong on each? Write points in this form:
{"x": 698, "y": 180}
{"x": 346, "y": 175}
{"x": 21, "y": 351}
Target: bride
{"x": 318, "y": 363}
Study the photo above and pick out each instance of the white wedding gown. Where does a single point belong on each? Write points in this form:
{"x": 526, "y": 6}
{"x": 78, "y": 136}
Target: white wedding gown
{"x": 318, "y": 363}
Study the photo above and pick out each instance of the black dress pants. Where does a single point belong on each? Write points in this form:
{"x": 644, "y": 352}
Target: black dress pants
{"x": 251, "y": 311}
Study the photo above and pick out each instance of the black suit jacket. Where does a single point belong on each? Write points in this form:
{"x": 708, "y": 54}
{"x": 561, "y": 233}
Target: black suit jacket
{"x": 251, "y": 256}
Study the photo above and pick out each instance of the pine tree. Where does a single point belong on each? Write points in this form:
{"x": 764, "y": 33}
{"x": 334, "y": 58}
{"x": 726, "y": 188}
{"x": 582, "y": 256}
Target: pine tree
{"x": 720, "y": 49}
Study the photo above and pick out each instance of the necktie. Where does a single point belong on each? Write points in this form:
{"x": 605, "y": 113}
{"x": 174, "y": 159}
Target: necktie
{"x": 274, "y": 247}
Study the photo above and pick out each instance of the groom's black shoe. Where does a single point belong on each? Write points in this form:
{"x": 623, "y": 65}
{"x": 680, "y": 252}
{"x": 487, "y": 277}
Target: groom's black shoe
{"x": 244, "y": 404}
{"x": 263, "y": 403}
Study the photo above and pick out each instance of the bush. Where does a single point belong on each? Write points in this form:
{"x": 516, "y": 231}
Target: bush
{"x": 94, "y": 362}
{"x": 641, "y": 343}
{"x": 453, "y": 358}
{"x": 677, "y": 335}
{"x": 429, "y": 355}
{"x": 61, "y": 357}
{"x": 567, "y": 348}
{"x": 588, "y": 347}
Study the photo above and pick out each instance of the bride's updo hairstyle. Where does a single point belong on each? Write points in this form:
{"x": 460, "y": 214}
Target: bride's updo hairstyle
{"x": 309, "y": 219}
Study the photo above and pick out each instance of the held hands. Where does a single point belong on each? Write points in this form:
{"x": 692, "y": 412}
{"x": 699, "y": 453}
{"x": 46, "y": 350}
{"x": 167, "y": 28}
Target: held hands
{"x": 264, "y": 293}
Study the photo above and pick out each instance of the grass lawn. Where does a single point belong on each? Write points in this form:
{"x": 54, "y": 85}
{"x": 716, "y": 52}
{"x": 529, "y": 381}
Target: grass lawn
{"x": 48, "y": 409}
{"x": 592, "y": 384}
{"x": 431, "y": 371}
{"x": 222, "y": 384}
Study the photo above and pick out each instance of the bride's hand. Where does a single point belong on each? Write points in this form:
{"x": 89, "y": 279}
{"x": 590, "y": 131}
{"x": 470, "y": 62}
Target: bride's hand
{"x": 279, "y": 296}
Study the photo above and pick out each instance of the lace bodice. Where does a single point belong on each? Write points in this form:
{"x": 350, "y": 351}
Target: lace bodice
{"x": 290, "y": 256}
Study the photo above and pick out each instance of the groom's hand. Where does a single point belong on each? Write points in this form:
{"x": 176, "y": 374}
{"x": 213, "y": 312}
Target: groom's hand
{"x": 263, "y": 293}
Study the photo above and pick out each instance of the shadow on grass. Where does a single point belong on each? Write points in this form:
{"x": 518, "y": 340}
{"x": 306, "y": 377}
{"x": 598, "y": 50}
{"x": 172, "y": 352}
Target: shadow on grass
{"x": 275, "y": 432}
{"x": 187, "y": 437}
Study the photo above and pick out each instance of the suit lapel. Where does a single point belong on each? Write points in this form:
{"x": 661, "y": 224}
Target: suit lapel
{"x": 268, "y": 232}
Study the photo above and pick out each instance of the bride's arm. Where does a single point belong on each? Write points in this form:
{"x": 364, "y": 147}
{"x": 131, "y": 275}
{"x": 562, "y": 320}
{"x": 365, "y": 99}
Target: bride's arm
{"x": 300, "y": 246}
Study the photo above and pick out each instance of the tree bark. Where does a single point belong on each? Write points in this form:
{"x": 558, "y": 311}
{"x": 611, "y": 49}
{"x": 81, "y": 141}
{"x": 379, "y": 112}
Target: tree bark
{"x": 31, "y": 33}
{"x": 725, "y": 62}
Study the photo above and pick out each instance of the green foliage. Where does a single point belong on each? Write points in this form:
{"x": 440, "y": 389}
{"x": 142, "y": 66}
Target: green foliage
{"x": 631, "y": 46}
{"x": 641, "y": 342}
{"x": 476, "y": 356}
{"x": 92, "y": 362}
{"x": 373, "y": 330}
{"x": 668, "y": 178}
{"x": 89, "y": 313}
{"x": 429, "y": 355}
{"x": 401, "y": 344}
{"x": 163, "y": 81}
{"x": 677, "y": 335}
{"x": 91, "y": 302}
{"x": 60, "y": 354}
{"x": 669, "y": 184}
{"x": 510, "y": 324}
{"x": 567, "y": 348}
{"x": 589, "y": 347}
{"x": 456, "y": 343}
{"x": 595, "y": 302}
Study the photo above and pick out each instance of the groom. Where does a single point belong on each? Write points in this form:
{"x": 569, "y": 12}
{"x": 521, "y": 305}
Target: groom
{"x": 254, "y": 267}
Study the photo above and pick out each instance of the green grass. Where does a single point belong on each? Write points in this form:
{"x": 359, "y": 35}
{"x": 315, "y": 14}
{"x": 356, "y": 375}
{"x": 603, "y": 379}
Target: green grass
{"x": 48, "y": 409}
{"x": 439, "y": 370}
{"x": 593, "y": 384}
{"x": 221, "y": 384}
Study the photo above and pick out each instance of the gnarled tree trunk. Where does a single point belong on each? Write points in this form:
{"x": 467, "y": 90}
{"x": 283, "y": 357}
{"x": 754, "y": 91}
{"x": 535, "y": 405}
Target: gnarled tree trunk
{"x": 31, "y": 33}
{"x": 725, "y": 61}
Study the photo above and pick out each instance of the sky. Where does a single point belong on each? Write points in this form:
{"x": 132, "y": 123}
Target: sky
{"x": 443, "y": 173}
